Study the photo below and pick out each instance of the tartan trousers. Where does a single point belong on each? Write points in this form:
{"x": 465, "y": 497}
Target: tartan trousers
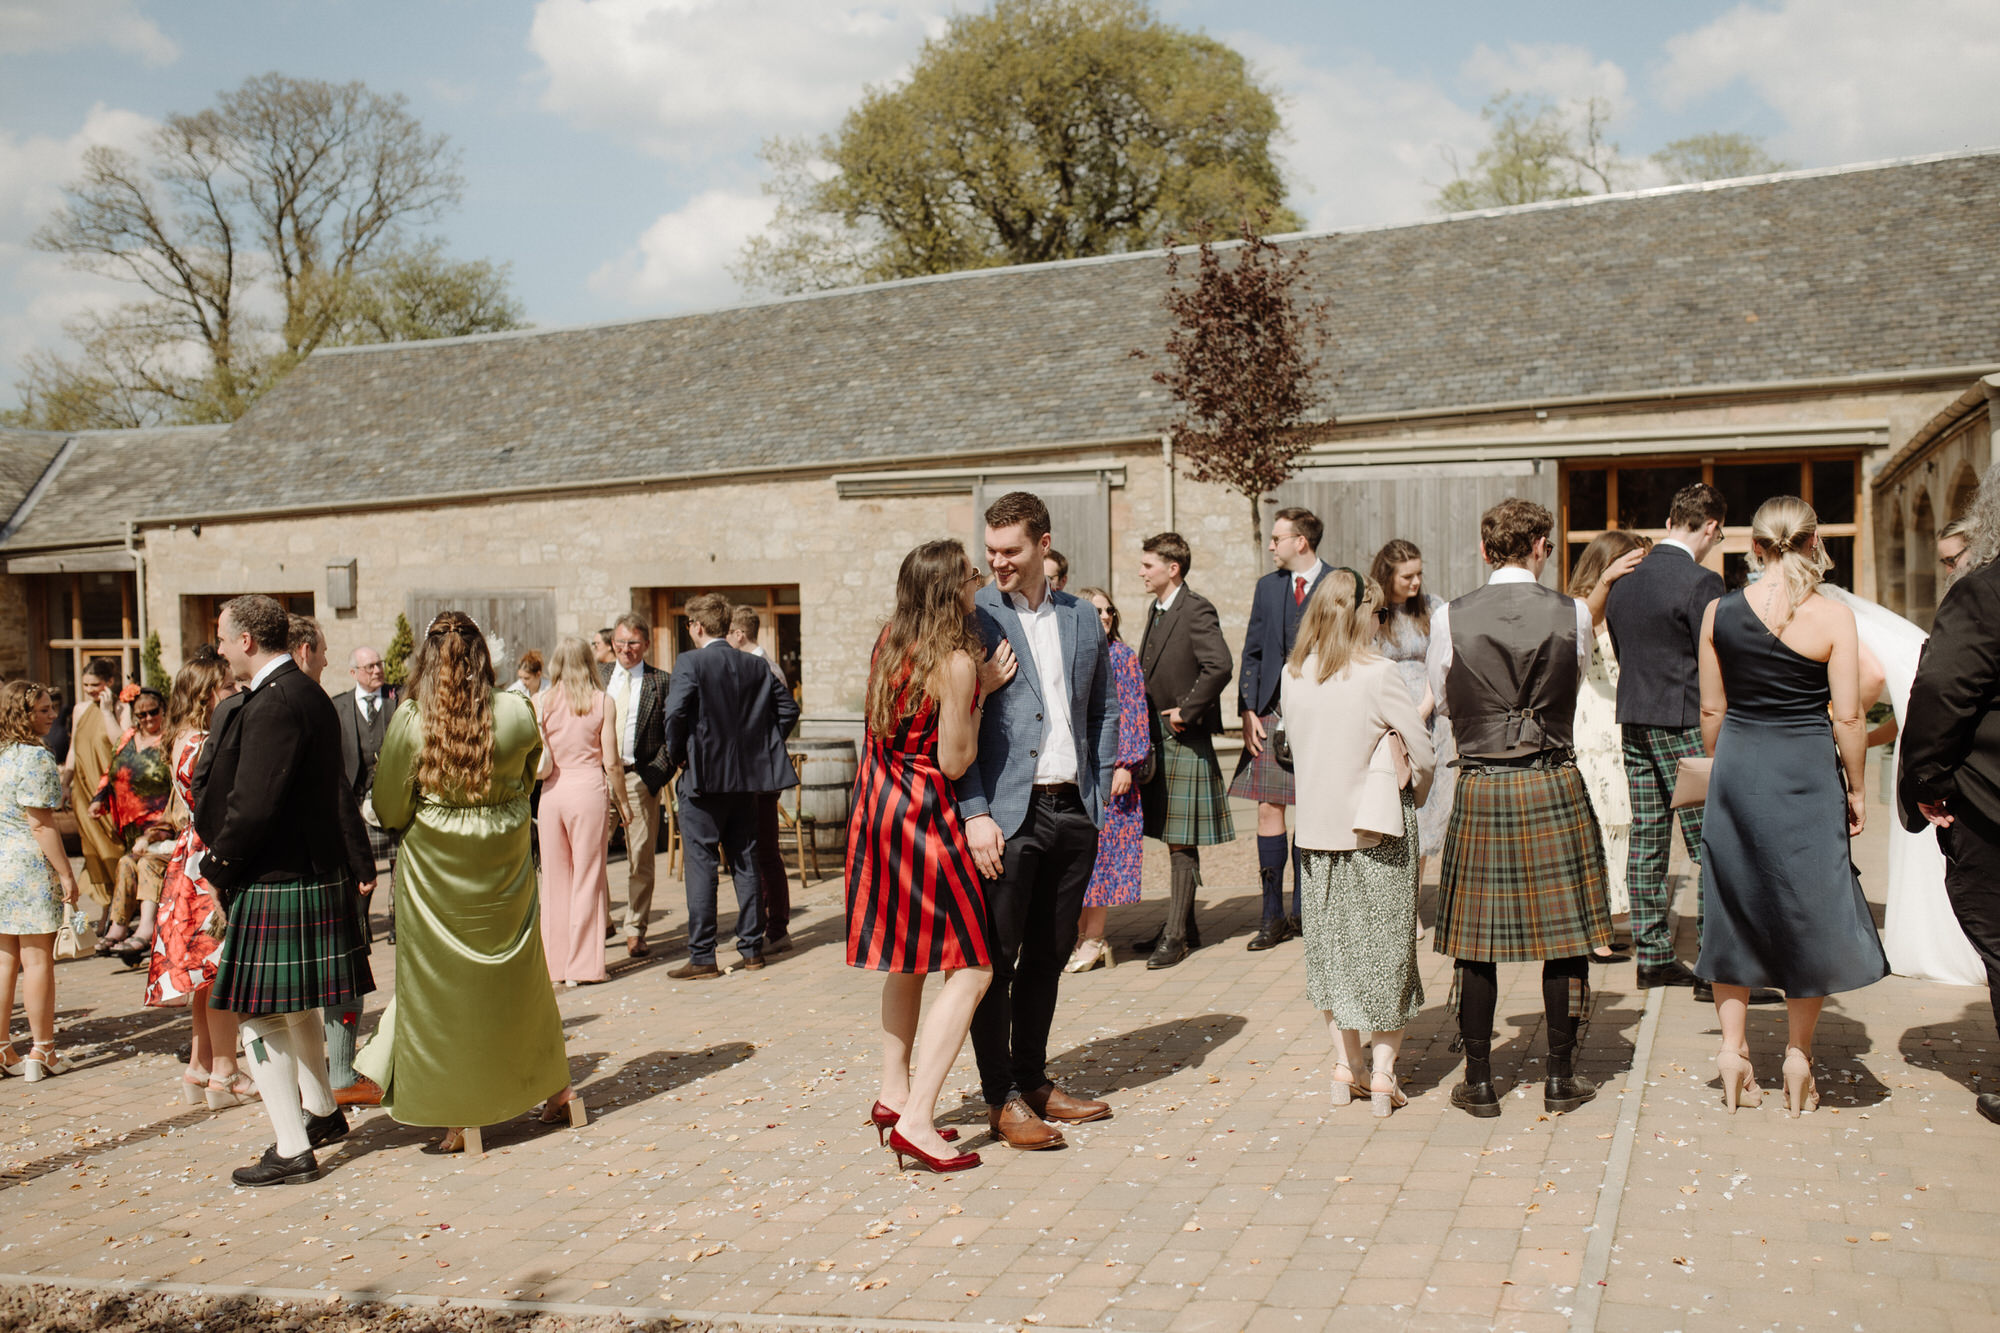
{"x": 1652, "y": 756}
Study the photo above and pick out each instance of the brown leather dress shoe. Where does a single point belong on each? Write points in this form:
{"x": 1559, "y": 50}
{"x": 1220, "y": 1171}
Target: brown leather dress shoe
{"x": 694, "y": 971}
{"x": 362, "y": 1092}
{"x": 637, "y": 948}
{"x": 1052, "y": 1103}
{"x": 1018, "y": 1127}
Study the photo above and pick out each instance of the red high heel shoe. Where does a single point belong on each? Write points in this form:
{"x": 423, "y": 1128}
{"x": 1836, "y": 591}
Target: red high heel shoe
{"x": 885, "y": 1120}
{"x": 900, "y": 1146}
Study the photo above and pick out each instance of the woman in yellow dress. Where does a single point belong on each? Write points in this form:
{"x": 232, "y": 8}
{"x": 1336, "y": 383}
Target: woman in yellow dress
{"x": 473, "y": 1036}
{"x": 94, "y": 729}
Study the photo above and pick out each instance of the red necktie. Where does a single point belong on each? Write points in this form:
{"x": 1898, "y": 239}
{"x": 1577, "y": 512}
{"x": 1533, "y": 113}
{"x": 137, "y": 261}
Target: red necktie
{"x": 1299, "y": 592}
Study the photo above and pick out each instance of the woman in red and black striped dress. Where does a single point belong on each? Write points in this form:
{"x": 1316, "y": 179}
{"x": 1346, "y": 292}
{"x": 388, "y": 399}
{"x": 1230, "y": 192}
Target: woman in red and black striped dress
{"x": 914, "y": 900}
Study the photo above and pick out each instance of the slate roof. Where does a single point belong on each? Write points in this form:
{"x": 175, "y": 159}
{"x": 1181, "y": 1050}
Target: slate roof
{"x": 112, "y": 475}
{"x": 24, "y": 456}
{"x": 1802, "y": 275}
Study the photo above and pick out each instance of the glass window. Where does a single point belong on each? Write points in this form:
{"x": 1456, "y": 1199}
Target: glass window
{"x": 1745, "y": 486}
{"x": 1833, "y": 491}
{"x": 60, "y": 605}
{"x": 1645, "y": 494}
{"x": 1842, "y": 551}
{"x": 1735, "y": 571}
{"x": 103, "y": 606}
{"x": 1587, "y": 499}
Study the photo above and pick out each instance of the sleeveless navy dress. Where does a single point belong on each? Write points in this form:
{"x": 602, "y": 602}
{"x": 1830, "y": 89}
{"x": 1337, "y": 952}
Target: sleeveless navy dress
{"x": 1782, "y": 897}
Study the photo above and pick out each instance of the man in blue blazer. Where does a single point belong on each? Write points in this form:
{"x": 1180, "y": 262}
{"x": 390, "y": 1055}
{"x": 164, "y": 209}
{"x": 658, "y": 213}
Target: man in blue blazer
{"x": 1277, "y": 607}
{"x": 1032, "y": 804}
{"x": 726, "y": 718}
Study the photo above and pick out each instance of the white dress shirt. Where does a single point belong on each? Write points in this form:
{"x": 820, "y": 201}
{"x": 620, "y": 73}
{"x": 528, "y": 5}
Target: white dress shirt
{"x": 366, "y": 702}
{"x": 1437, "y": 662}
{"x": 1055, "y": 757}
{"x": 270, "y": 666}
{"x": 624, "y": 687}
{"x": 1166, "y": 604}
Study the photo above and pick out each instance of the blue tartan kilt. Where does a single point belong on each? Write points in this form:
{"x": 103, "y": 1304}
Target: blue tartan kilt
{"x": 292, "y": 946}
{"x": 1523, "y": 877}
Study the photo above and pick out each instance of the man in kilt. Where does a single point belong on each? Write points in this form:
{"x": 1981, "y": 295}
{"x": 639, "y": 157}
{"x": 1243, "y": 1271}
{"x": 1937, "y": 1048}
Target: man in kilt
{"x": 286, "y": 855}
{"x": 1523, "y": 866}
{"x": 1277, "y": 607}
{"x": 1187, "y": 666}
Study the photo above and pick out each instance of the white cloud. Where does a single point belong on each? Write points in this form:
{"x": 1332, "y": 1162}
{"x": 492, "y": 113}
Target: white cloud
{"x": 1853, "y": 79}
{"x": 39, "y": 292}
{"x": 681, "y": 261}
{"x": 1367, "y": 145}
{"x": 695, "y": 79}
{"x": 1557, "y": 70}
{"x": 56, "y": 25}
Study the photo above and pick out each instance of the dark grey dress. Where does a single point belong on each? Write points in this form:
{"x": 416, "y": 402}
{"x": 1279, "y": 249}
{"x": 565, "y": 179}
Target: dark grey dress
{"x": 1783, "y": 899}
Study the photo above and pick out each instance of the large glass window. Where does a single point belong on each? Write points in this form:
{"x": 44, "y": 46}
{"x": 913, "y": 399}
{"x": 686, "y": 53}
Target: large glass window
{"x": 84, "y": 616}
{"x": 777, "y": 608}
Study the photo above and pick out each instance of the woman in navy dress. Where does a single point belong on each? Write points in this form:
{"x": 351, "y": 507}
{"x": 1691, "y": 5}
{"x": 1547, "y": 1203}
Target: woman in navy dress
{"x": 1783, "y": 901}
{"x": 1114, "y": 880}
{"x": 914, "y": 900}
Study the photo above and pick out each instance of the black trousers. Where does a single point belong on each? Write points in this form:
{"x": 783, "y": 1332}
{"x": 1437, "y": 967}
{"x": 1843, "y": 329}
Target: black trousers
{"x": 773, "y": 880}
{"x": 727, "y": 820}
{"x": 1972, "y": 883}
{"x": 1031, "y": 913}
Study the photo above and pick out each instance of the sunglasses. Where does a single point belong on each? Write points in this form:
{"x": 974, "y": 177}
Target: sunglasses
{"x": 145, "y": 712}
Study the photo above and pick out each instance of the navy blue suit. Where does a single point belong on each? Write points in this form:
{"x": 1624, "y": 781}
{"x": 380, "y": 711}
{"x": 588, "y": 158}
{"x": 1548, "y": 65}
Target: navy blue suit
{"x": 1267, "y": 642}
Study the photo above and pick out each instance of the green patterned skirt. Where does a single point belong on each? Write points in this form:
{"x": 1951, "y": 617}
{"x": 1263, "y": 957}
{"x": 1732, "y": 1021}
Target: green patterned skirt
{"x": 1360, "y": 929}
{"x": 1186, "y": 804}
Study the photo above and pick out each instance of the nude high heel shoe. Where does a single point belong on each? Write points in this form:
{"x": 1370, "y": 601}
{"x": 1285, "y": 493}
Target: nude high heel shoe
{"x": 1739, "y": 1085}
{"x": 1343, "y": 1088}
{"x": 1801, "y": 1089}
{"x": 1384, "y": 1100}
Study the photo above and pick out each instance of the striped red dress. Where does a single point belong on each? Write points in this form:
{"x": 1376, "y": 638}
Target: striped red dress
{"x": 914, "y": 901}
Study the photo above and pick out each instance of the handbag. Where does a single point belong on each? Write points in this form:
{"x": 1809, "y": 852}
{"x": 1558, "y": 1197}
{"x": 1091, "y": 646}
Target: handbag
{"x": 1280, "y": 741}
{"x": 1690, "y": 781}
{"x": 74, "y": 937}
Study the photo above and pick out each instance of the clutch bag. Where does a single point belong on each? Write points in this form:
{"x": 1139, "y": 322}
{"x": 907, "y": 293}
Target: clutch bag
{"x": 1691, "y": 781}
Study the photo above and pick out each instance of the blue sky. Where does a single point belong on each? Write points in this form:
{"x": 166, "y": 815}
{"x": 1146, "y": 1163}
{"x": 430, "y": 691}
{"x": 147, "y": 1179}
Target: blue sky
{"x": 609, "y": 145}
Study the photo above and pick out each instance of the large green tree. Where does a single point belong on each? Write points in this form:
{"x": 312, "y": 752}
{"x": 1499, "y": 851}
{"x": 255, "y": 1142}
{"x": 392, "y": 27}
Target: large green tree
{"x": 274, "y": 222}
{"x": 1715, "y": 157}
{"x": 1034, "y": 130}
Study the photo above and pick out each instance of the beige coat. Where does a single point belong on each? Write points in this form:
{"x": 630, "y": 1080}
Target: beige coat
{"x": 1348, "y": 786}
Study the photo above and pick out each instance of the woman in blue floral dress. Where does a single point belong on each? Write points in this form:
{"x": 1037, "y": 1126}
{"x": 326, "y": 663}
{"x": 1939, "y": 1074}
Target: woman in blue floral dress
{"x": 1114, "y": 882}
{"x": 36, "y": 882}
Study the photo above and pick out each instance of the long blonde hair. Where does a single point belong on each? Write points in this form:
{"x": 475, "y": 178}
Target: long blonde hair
{"x": 1338, "y": 629}
{"x": 572, "y": 671}
{"x": 926, "y": 628}
{"x": 452, "y": 683}
{"x": 1784, "y": 535}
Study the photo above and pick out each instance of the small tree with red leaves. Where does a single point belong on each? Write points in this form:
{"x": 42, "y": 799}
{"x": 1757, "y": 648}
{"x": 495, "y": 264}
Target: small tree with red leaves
{"x": 1244, "y": 355}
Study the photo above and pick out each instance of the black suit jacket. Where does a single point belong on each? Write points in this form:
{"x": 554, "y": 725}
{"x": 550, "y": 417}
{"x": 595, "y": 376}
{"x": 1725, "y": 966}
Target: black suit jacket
{"x": 726, "y": 721}
{"x": 273, "y": 805}
{"x": 358, "y": 768}
{"x": 1186, "y": 661}
{"x": 1949, "y": 749}
{"x": 1654, "y": 614}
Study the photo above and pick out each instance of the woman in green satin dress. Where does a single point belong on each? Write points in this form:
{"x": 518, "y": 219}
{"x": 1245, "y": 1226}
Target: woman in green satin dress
{"x": 473, "y": 1036}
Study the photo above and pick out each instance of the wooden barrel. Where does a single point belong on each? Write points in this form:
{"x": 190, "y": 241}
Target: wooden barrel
{"x": 827, "y": 780}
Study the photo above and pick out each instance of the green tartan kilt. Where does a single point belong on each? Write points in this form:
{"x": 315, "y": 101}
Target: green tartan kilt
{"x": 1185, "y": 804}
{"x": 1523, "y": 877}
{"x": 291, "y": 947}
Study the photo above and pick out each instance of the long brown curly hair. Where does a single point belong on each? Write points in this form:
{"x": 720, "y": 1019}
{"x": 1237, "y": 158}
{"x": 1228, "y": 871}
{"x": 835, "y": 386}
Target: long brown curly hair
{"x": 192, "y": 701}
{"x": 1400, "y": 551}
{"x": 927, "y": 627}
{"x": 452, "y": 683}
{"x": 17, "y": 712}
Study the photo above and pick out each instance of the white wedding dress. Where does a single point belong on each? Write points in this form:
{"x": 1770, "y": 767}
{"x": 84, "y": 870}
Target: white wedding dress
{"x": 1920, "y": 933}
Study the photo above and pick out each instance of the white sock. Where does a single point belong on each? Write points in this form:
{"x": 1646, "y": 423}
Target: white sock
{"x": 272, "y": 1058}
{"x": 309, "y": 1046}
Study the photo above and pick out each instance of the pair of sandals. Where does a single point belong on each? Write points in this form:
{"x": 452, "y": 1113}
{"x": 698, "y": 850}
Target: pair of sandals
{"x": 565, "y": 1105}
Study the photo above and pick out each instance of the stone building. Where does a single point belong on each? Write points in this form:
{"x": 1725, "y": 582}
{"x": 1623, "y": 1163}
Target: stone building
{"x": 1924, "y": 486}
{"x": 1774, "y": 335}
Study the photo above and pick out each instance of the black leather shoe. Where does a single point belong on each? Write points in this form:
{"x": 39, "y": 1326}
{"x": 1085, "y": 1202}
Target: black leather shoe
{"x": 1989, "y": 1106}
{"x": 1675, "y": 973}
{"x": 1168, "y": 953}
{"x": 324, "y": 1129}
{"x": 1271, "y": 934}
{"x": 1566, "y": 1094}
{"x": 272, "y": 1169}
{"x": 1476, "y": 1099}
{"x": 1705, "y": 994}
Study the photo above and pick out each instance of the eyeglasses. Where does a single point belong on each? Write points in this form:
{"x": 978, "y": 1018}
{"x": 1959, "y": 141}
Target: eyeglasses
{"x": 142, "y": 714}
{"x": 976, "y": 576}
{"x": 1950, "y": 562}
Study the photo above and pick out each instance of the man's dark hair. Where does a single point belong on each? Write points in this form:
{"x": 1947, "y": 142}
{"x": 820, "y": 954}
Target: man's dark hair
{"x": 263, "y": 618}
{"x": 604, "y": 635}
{"x": 746, "y": 619}
{"x": 1695, "y": 504}
{"x": 711, "y": 612}
{"x": 1023, "y": 507}
{"x": 1304, "y": 522}
{"x": 303, "y": 630}
{"x": 1172, "y": 548}
{"x": 1510, "y": 529}
{"x": 1062, "y": 564}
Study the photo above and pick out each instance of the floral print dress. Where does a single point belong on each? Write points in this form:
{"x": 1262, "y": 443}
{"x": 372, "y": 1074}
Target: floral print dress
{"x": 184, "y": 953}
{"x": 1114, "y": 882}
{"x": 30, "y": 894}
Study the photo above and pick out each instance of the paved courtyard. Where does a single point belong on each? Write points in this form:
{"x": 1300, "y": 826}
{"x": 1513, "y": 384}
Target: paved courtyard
{"x": 727, "y": 1171}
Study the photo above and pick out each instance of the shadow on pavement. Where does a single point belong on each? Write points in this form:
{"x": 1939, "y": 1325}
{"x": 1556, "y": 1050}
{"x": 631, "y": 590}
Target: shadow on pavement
{"x": 1952, "y": 1047}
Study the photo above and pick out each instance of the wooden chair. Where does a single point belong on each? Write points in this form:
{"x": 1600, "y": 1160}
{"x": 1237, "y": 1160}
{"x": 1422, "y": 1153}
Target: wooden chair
{"x": 799, "y": 824}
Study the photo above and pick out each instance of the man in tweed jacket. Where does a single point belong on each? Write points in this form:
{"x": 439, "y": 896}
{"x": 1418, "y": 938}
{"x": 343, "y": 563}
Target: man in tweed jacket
{"x": 1523, "y": 864}
{"x": 286, "y": 853}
